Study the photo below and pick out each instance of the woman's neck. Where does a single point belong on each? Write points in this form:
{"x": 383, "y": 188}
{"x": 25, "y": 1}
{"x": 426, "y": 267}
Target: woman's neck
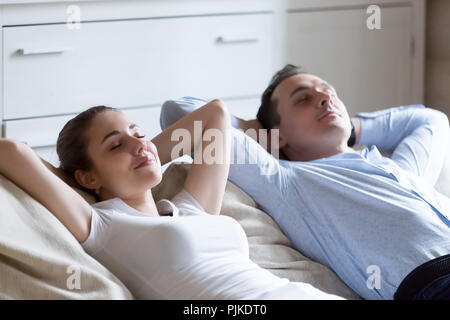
{"x": 143, "y": 203}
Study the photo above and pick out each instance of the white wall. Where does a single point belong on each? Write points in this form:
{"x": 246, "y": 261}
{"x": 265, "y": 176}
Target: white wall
{"x": 437, "y": 89}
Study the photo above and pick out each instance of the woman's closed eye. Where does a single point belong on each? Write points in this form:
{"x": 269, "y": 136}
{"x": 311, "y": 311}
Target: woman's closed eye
{"x": 120, "y": 144}
{"x": 115, "y": 147}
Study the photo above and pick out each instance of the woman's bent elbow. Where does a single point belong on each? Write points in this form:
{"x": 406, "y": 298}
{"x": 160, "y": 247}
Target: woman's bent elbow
{"x": 8, "y": 145}
{"x": 221, "y": 112}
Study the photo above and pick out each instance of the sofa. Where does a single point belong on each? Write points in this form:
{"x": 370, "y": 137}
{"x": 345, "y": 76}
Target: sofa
{"x": 40, "y": 259}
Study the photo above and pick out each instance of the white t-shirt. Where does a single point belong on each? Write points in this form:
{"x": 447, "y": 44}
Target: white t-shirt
{"x": 188, "y": 255}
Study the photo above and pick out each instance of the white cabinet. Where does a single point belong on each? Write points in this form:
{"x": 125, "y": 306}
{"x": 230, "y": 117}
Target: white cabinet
{"x": 50, "y": 69}
{"x": 133, "y": 62}
{"x": 135, "y": 54}
{"x": 371, "y": 69}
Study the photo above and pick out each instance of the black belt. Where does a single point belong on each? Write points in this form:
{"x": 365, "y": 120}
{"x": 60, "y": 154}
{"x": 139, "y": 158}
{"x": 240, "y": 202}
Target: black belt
{"x": 421, "y": 276}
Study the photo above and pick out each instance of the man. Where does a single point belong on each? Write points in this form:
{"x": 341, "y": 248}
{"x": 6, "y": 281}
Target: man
{"x": 376, "y": 221}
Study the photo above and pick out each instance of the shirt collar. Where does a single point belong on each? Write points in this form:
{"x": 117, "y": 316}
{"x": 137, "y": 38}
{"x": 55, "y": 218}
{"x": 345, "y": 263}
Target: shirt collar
{"x": 165, "y": 207}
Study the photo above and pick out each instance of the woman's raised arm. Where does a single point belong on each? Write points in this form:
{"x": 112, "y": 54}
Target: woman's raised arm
{"x": 22, "y": 166}
{"x": 208, "y": 127}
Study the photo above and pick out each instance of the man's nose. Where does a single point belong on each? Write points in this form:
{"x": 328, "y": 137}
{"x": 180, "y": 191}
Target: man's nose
{"x": 325, "y": 100}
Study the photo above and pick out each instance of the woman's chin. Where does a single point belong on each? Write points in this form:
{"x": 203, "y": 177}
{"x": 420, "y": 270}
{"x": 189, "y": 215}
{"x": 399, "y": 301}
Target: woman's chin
{"x": 146, "y": 177}
{"x": 153, "y": 179}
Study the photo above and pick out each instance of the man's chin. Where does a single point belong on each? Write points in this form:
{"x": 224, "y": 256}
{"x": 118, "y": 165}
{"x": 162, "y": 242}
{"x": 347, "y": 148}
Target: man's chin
{"x": 336, "y": 135}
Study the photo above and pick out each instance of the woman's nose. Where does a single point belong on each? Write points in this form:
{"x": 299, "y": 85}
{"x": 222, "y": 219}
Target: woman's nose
{"x": 138, "y": 147}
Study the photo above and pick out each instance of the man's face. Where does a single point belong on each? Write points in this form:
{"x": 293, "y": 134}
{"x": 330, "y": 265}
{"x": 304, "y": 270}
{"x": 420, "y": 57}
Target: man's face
{"x": 312, "y": 116}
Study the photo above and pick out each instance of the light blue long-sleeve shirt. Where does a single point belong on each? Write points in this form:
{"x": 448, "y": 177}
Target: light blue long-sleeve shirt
{"x": 370, "y": 218}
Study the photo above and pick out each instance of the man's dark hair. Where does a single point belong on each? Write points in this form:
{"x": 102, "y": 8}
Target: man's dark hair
{"x": 267, "y": 114}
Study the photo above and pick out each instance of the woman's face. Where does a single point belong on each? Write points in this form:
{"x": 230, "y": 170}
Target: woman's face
{"x": 125, "y": 165}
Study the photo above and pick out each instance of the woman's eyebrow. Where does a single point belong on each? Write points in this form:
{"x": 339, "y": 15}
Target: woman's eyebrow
{"x": 116, "y": 132}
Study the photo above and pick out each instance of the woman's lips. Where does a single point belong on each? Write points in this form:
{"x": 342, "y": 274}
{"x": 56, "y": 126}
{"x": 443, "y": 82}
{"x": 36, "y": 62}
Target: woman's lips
{"x": 146, "y": 161}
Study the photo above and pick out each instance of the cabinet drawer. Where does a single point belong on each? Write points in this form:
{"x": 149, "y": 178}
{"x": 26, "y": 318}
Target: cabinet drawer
{"x": 36, "y": 132}
{"x": 49, "y": 69}
{"x": 42, "y": 132}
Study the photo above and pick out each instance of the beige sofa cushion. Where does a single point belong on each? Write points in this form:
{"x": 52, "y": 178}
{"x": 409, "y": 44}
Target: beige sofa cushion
{"x": 37, "y": 251}
{"x": 40, "y": 259}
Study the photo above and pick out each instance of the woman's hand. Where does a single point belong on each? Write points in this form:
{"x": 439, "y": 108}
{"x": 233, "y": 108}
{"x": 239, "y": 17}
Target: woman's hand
{"x": 253, "y": 125}
{"x": 208, "y": 175}
{"x": 61, "y": 174}
{"x": 249, "y": 124}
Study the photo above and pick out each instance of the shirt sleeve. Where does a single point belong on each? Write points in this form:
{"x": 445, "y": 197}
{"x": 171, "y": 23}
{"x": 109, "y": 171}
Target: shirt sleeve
{"x": 174, "y": 110}
{"x": 416, "y": 135}
{"x": 257, "y": 172}
{"x": 252, "y": 168}
{"x": 187, "y": 204}
{"x": 95, "y": 240}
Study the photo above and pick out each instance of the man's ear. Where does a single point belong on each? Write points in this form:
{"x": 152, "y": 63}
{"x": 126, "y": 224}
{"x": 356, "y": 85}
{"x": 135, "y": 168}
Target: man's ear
{"x": 87, "y": 179}
{"x": 275, "y": 134}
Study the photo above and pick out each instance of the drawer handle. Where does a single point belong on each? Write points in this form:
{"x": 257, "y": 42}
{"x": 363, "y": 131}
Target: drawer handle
{"x": 28, "y": 51}
{"x": 226, "y": 40}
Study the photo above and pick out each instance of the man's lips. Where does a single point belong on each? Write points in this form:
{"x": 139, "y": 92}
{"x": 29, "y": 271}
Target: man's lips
{"x": 326, "y": 114}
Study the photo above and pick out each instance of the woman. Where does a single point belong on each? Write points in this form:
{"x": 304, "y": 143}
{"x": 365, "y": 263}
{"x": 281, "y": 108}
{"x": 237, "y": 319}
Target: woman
{"x": 179, "y": 249}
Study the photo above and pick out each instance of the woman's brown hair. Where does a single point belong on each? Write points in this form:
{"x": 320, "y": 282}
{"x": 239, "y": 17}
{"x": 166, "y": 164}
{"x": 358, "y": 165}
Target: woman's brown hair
{"x": 72, "y": 143}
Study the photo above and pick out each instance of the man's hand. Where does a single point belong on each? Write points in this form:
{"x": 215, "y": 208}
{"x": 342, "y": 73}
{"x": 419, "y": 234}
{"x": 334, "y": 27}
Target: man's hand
{"x": 357, "y": 123}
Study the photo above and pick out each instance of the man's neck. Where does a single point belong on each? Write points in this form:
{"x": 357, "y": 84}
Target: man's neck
{"x": 304, "y": 155}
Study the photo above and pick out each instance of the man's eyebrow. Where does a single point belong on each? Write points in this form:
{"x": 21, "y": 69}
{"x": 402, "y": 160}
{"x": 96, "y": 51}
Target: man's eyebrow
{"x": 116, "y": 132}
{"x": 298, "y": 90}
{"x": 326, "y": 84}
{"x": 302, "y": 88}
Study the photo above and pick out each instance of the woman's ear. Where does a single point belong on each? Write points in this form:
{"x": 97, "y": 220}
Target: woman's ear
{"x": 87, "y": 179}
